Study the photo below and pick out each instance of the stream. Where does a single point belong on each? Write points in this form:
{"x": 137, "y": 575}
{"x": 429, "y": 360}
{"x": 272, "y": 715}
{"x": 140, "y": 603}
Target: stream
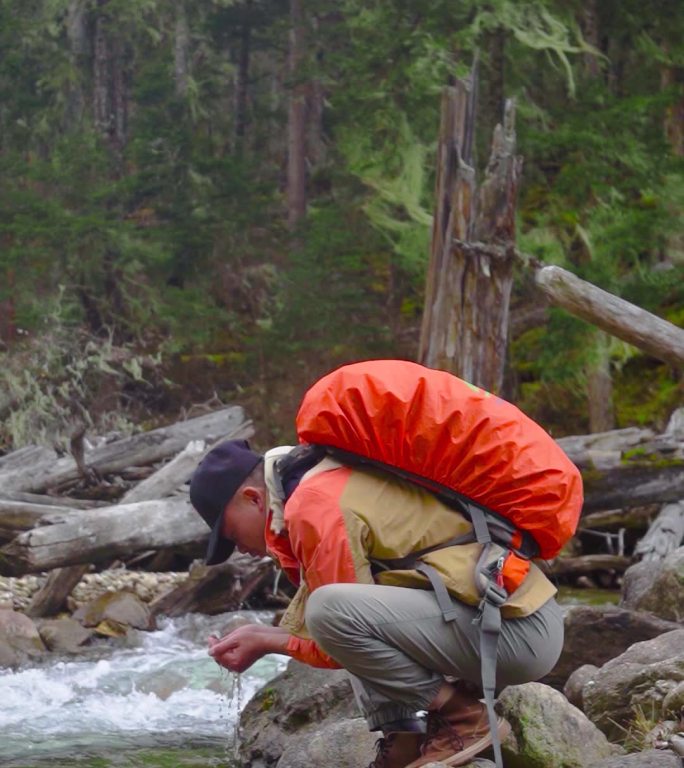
{"x": 158, "y": 700}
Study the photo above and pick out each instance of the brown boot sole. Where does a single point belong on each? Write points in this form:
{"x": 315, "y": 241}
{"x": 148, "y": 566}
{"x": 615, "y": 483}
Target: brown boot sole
{"x": 465, "y": 755}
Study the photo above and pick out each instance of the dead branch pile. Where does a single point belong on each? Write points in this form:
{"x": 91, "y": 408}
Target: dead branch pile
{"x": 120, "y": 502}
{"x": 125, "y": 502}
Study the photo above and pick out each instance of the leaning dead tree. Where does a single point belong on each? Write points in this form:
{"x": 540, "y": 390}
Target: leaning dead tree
{"x": 644, "y": 330}
{"x": 470, "y": 275}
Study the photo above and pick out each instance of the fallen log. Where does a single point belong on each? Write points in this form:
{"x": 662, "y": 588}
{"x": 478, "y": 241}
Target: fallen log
{"x": 217, "y": 588}
{"x": 29, "y": 455}
{"x": 603, "y": 450}
{"x": 612, "y": 314}
{"x": 585, "y": 564}
{"x": 634, "y": 518}
{"x": 51, "y": 501}
{"x": 665, "y": 534}
{"x": 138, "y": 450}
{"x": 633, "y": 485}
{"x": 102, "y": 534}
{"x": 170, "y": 477}
{"x": 18, "y": 516}
{"x": 51, "y": 597}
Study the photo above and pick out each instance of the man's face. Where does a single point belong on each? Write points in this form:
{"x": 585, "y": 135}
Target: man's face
{"x": 244, "y": 519}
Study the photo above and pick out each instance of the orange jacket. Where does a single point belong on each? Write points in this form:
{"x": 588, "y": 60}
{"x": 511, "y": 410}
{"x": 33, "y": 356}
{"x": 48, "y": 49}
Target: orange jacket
{"x": 339, "y": 519}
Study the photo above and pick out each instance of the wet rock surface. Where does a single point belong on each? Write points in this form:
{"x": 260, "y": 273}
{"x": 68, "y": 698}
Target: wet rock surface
{"x": 662, "y": 592}
{"x": 651, "y": 758}
{"x": 596, "y": 634}
{"x": 548, "y": 731}
{"x": 637, "y": 681}
{"x": 19, "y": 639}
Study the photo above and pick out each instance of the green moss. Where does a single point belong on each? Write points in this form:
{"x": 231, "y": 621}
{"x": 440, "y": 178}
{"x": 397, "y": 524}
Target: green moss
{"x": 646, "y": 393}
{"x": 268, "y": 699}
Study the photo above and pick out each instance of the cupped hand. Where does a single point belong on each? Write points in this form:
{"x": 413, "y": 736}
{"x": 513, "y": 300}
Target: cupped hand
{"x": 238, "y": 650}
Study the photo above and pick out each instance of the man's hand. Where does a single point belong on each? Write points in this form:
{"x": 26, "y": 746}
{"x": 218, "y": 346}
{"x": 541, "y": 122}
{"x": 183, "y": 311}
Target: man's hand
{"x": 247, "y": 644}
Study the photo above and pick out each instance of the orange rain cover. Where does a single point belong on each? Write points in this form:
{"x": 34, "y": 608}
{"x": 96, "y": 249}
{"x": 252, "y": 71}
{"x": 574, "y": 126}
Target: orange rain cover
{"x": 438, "y": 426}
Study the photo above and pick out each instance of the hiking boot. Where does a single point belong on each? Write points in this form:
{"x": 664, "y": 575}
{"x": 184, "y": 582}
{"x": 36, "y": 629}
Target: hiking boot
{"x": 397, "y": 750}
{"x": 457, "y": 730}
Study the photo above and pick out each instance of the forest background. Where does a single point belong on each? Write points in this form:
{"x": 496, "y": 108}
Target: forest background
{"x": 217, "y": 201}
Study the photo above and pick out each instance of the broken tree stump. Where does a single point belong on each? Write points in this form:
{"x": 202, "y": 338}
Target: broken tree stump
{"x": 472, "y": 254}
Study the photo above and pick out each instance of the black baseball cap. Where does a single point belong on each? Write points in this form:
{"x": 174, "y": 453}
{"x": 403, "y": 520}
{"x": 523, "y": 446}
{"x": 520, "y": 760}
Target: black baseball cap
{"x": 214, "y": 483}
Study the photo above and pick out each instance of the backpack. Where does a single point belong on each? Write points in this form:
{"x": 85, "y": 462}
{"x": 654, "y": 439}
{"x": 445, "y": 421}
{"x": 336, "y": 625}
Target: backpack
{"x": 478, "y": 453}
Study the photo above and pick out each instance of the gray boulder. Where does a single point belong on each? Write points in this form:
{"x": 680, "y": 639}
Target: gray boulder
{"x": 652, "y": 758}
{"x": 657, "y": 587}
{"x": 348, "y": 740}
{"x": 114, "y": 612}
{"x": 19, "y": 639}
{"x": 548, "y": 732}
{"x": 64, "y": 635}
{"x": 574, "y": 687}
{"x": 298, "y": 701}
{"x": 635, "y": 683}
{"x": 596, "y": 634}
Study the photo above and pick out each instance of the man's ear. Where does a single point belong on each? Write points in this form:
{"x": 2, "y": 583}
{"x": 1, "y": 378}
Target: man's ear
{"x": 251, "y": 493}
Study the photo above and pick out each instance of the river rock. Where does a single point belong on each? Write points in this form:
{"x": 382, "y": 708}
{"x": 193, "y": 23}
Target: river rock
{"x": 64, "y": 635}
{"x": 658, "y": 588}
{"x": 19, "y": 639}
{"x": 576, "y": 682}
{"x": 349, "y": 741}
{"x": 548, "y": 731}
{"x": 651, "y": 758}
{"x": 637, "y": 681}
{"x": 673, "y": 703}
{"x": 114, "y": 609}
{"x": 596, "y": 634}
{"x": 296, "y": 702}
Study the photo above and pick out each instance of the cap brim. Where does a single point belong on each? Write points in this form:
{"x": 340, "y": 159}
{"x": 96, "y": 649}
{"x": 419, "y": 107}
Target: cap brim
{"x": 218, "y": 549}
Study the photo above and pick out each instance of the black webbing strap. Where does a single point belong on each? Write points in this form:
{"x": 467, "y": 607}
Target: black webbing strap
{"x": 489, "y": 618}
{"x": 409, "y": 561}
{"x": 444, "y": 601}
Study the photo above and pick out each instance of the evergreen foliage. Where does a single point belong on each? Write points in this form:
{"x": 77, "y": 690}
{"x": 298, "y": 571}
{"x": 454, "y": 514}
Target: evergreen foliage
{"x": 143, "y": 156}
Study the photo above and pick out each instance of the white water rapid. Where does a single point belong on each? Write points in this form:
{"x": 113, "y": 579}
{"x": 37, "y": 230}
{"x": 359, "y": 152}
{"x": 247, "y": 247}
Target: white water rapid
{"x": 159, "y": 690}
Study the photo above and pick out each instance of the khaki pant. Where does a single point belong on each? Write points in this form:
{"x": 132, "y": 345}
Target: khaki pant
{"x": 396, "y": 644}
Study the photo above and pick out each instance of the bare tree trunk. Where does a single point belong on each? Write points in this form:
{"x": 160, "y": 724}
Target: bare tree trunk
{"x": 600, "y": 388}
{"x": 492, "y": 85}
{"x": 8, "y": 323}
{"x": 181, "y": 51}
{"x": 465, "y": 325}
{"x": 296, "y": 162}
{"x": 454, "y": 193}
{"x": 590, "y": 30}
{"x": 315, "y": 104}
{"x": 77, "y": 34}
{"x": 110, "y": 92}
{"x": 674, "y": 115}
{"x": 102, "y": 108}
{"x": 241, "y": 84}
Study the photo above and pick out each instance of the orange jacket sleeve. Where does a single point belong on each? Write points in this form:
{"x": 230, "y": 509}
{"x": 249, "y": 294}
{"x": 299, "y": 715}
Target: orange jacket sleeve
{"x": 320, "y": 542}
{"x": 309, "y": 653}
